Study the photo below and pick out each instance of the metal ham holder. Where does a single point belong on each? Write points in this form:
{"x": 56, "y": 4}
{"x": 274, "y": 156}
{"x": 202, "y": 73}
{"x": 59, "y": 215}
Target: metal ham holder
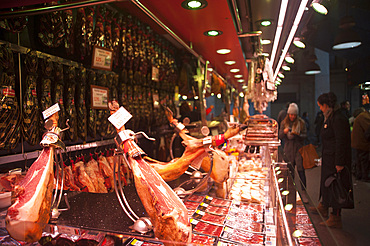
{"x": 52, "y": 138}
{"x": 144, "y": 224}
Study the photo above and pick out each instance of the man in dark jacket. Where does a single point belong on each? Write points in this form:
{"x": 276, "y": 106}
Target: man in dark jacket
{"x": 361, "y": 145}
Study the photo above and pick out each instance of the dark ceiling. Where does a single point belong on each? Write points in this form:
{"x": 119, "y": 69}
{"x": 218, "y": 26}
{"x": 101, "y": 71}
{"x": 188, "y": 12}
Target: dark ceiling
{"x": 237, "y": 17}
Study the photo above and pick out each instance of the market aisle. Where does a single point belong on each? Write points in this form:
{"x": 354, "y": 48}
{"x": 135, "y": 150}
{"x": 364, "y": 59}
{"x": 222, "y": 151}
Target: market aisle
{"x": 356, "y": 222}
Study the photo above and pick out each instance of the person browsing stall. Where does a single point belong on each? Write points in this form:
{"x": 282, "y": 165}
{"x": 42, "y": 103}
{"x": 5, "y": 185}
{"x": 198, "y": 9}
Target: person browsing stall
{"x": 293, "y": 132}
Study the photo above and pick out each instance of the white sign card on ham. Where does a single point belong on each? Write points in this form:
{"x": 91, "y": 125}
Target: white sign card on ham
{"x": 50, "y": 111}
{"x": 119, "y": 118}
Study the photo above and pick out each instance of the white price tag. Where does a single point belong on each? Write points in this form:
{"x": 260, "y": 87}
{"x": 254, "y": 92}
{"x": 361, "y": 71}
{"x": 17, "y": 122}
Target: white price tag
{"x": 194, "y": 222}
{"x": 180, "y": 126}
{"x": 50, "y": 111}
{"x": 270, "y": 230}
{"x": 228, "y": 229}
{"x": 207, "y": 140}
{"x": 203, "y": 204}
{"x": 119, "y": 118}
{"x": 209, "y": 198}
{"x": 200, "y": 212}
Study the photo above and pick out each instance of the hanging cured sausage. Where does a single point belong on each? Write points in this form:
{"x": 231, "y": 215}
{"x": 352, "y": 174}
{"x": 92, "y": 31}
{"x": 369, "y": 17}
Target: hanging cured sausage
{"x": 81, "y": 34}
{"x": 31, "y": 113}
{"x": 69, "y": 44}
{"x": 81, "y": 104}
{"x": 45, "y": 83}
{"x": 51, "y": 32}
{"x": 116, "y": 39}
{"x": 91, "y": 116}
{"x": 59, "y": 92}
{"x": 71, "y": 114}
{"x": 9, "y": 108}
{"x": 98, "y": 35}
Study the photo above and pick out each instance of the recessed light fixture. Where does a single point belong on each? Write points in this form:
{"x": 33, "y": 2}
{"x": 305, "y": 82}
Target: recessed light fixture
{"x": 194, "y": 4}
{"x": 238, "y": 76}
{"x": 212, "y": 33}
{"x": 196, "y": 97}
{"x": 265, "y": 54}
{"x": 234, "y": 70}
{"x": 265, "y": 23}
{"x": 319, "y": 8}
{"x": 230, "y": 62}
{"x": 219, "y": 95}
{"x": 289, "y": 59}
{"x": 298, "y": 42}
{"x": 278, "y": 80}
{"x": 265, "y": 41}
{"x": 281, "y": 75}
{"x": 240, "y": 80}
{"x": 184, "y": 97}
{"x": 285, "y": 68}
{"x": 245, "y": 87}
{"x": 223, "y": 51}
{"x": 210, "y": 69}
{"x": 241, "y": 94}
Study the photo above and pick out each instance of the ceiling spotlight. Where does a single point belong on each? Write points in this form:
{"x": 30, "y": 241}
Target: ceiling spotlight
{"x": 265, "y": 54}
{"x": 241, "y": 94}
{"x": 240, "y": 80}
{"x": 285, "y": 68}
{"x": 347, "y": 38}
{"x": 223, "y": 51}
{"x": 212, "y": 33}
{"x": 279, "y": 80}
{"x": 298, "y": 42}
{"x": 319, "y": 8}
{"x": 289, "y": 59}
{"x": 234, "y": 70}
{"x": 238, "y": 76}
{"x": 194, "y": 4}
{"x": 219, "y": 95}
{"x": 265, "y": 41}
{"x": 230, "y": 62}
{"x": 196, "y": 97}
{"x": 265, "y": 23}
{"x": 184, "y": 97}
{"x": 281, "y": 75}
{"x": 210, "y": 69}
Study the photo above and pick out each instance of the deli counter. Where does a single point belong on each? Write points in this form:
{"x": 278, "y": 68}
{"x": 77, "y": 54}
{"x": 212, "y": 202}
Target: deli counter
{"x": 259, "y": 204}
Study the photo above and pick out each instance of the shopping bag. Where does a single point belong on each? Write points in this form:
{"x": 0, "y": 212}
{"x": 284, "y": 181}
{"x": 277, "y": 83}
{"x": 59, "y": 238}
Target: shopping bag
{"x": 309, "y": 155}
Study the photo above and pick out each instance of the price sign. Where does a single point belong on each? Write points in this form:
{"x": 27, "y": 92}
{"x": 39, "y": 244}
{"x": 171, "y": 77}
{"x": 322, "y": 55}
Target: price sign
{"x": 207, "y": 140}
{"x": 119, "y": 118}
{"x": 50, "y": 111}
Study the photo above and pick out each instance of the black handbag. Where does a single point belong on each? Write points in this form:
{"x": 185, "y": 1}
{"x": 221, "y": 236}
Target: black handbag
{"x": 341, "y": 196}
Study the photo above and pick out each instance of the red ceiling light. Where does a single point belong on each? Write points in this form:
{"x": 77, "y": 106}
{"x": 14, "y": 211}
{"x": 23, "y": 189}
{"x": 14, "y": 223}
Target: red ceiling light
{"x": 194, "y": 4}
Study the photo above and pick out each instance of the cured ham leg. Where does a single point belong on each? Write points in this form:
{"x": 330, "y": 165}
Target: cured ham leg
{"x": 165, "y": 209}
{"x": 168, "y": 214}
{"x": 175, "y": 168}
{"x": 30, "y": 212}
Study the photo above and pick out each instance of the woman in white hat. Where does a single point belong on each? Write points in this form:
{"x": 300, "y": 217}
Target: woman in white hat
{"x": 293, "y": 131}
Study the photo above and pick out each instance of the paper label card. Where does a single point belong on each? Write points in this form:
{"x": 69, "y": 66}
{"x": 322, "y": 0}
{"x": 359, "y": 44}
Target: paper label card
{"x": 119, "y": 118}
{"x": 50, "y": 111}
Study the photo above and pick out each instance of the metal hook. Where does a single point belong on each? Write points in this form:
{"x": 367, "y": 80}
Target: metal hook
{"x": 146, "y": 136}
{"x": 66, "y": 127}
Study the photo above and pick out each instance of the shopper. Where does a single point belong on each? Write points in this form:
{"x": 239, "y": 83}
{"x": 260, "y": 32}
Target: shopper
{"x": 336, "y": 156}
{"x": 282, "y": 114}
{"x": 345, "y": 107}
{"x": 361, "y": 145}
{"x": 293, "y": 132}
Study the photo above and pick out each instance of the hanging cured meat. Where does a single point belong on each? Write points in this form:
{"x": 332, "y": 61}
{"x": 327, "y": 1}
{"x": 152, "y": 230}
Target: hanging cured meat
{"x": 45, "y": 83}
{"x": 81, "y": 33}
{"x": 107, "y": 172}
{"x": 69, "y": 40}
{"x": 91, "y": 112}
{"x": 69, "y": 181}
{"x": 81, "y": 104}
{"x": 92, "y": 169}
{"x": 51, "y": 28}
{"x": 30, "y": 212}
{"x": 166, "y": 211}
{"x": 59, "y": 92}
{"x": 116, "y": 39}
{"x": 9, "y": 108}
{"x": 70, "y": 107}
{"x": 108, "y": 35}
{"x": 16, "y": 24}
{"x": 90, "y": 11}
{"x": 31, "y": 114}
{"x": 98, "y": 35}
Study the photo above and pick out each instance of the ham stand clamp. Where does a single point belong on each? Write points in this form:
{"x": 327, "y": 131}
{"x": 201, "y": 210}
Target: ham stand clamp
{"x": 141, "y": 224}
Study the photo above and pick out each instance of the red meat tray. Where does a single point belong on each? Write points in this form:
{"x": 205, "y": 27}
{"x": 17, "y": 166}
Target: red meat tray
{"x": 199, "y": 239}
{"x": 309, "y": 241}
{"x": 249, "y": 238}
{"x": 206, "y": 228}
